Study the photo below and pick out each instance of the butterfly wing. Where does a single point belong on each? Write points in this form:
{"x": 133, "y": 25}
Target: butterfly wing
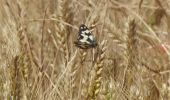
{"x": 85, "y": 38}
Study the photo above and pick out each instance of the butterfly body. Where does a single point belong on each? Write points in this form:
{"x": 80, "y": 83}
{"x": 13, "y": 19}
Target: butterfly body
{"x": 85, "y": 38}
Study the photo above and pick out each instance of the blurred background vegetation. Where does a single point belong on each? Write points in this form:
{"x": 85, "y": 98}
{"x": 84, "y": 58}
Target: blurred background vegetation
{"x": 38, "y": 59}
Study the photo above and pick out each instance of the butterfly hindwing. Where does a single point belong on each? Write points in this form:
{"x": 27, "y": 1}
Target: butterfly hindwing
{"x": 85, "y": 38}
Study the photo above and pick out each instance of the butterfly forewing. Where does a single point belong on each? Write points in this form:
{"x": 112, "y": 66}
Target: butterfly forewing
{"x": 85, "y": 38}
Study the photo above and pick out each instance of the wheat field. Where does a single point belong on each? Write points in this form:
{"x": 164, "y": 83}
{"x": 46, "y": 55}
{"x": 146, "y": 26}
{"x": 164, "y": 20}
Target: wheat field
{"x": 39, "y": 61}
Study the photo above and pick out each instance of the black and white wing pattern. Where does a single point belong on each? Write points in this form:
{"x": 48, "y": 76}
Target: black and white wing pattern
{"x": 85, "y": 39}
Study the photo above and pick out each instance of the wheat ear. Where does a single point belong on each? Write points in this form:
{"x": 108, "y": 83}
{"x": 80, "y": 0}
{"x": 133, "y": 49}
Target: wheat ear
{"x": 96, "y": 83}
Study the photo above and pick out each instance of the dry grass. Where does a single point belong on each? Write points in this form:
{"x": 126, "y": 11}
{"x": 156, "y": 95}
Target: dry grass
{"x": 38, "y": 59}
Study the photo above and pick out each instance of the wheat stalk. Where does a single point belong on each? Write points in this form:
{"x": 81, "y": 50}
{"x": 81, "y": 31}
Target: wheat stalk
{"x": 131, "y": 52}
{"x": 96, "y": 83}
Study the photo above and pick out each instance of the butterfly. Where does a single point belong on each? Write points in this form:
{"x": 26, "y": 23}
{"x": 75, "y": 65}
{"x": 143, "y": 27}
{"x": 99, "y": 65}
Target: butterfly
{"x": 85, "y": 38}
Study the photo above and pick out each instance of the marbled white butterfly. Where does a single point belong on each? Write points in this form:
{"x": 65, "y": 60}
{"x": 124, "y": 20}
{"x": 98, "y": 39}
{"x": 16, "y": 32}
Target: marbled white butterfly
{"x": 85, "y": 38}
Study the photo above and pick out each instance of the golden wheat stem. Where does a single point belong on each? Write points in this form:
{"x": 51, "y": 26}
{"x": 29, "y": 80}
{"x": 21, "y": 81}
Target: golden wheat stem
{"x": 131, "y": 57}
{"x": 95, "y": 87}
